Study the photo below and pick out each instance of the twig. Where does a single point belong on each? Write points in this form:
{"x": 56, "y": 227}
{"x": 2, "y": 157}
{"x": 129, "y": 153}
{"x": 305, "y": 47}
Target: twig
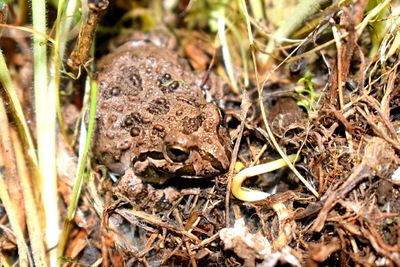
{"x": 378, "y": 155}
{"x": 244, "y": 108}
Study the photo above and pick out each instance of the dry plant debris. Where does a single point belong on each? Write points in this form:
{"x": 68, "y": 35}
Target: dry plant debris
{"x": 331, "y": 94}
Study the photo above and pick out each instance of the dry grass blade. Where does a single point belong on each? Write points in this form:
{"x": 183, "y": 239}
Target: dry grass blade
{"x": 31, "y": 207}
{"x": 16, "y": 111}
{"x": 10, "y": 205}
{"x": 10, "y": 208}
{"x": 266, "y": 123}
{"x": 9, "y": 161}
{"x": 303, "y": 10}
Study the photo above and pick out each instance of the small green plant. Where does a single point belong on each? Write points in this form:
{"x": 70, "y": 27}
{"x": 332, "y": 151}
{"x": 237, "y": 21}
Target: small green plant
{"x": 306, "y": 94}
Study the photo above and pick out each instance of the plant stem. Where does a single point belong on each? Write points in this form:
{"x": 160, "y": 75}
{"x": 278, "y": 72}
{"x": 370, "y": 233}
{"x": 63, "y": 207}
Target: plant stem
{"x": 46, "y": 128}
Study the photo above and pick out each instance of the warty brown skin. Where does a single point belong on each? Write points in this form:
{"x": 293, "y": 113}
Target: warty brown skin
{"x": 153, "y": 119}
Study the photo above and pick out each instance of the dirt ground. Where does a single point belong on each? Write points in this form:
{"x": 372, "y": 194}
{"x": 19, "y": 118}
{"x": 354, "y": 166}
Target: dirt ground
{"x": 328, "y": 92}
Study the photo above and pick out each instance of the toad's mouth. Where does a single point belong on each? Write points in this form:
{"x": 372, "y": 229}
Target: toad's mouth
{"x": 155, "y": 168}
{"x": 156, "y": 175}
{"x": 162, "y": 169}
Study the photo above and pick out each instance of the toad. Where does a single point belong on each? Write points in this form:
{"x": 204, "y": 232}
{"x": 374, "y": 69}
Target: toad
{"x": 152, "y": 119}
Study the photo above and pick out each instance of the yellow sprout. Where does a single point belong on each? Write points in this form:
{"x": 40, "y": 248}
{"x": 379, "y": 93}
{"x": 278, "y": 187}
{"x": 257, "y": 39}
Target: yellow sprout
{"x": 250, "y": 195}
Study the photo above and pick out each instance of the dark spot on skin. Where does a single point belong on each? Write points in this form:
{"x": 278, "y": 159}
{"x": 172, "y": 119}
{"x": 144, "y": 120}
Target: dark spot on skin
{"x": 153, "y": 110}
{"x": 158, "y": 106}
{"x": 135, "y": 131}
{"x": 146, "y": 120}
{"x": 186, "y": 100}
{"x": 191, "y": 125}
{"x": 136, "y": 117}
{"x": 136, "y": 80}
{"x": 209, "y": 126}
{"x": 166, "y": 89}
{"x": 157, "y": 132}
{"x": 115, "y": 91}
{"x": 167, "y": 77}
{"x": 179, "y": 112}
{"x": 126, "y": 70}
{"x": 159, "y": 83}
{"x": 139, "y": 142}
{"x": 165, "y": 83}
{"x": 125, "y": 145}
{"x": 128, "y": 121}
{"x": 149, "y": 70}
{"x": 174, "y": 85}
{"x": 161, "y": 101}
{"x": 159, "y": 127}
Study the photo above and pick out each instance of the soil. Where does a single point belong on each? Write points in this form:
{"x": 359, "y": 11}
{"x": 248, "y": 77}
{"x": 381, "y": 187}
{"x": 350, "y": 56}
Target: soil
{"x": 336, "y": 106}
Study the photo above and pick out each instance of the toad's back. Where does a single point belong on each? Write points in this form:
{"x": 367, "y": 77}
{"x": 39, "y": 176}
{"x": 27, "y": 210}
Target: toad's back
{"x": 151, "y": 114}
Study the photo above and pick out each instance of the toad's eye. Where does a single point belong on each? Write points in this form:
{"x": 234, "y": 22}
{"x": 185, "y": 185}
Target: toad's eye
{"x": 176, "y": 154}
